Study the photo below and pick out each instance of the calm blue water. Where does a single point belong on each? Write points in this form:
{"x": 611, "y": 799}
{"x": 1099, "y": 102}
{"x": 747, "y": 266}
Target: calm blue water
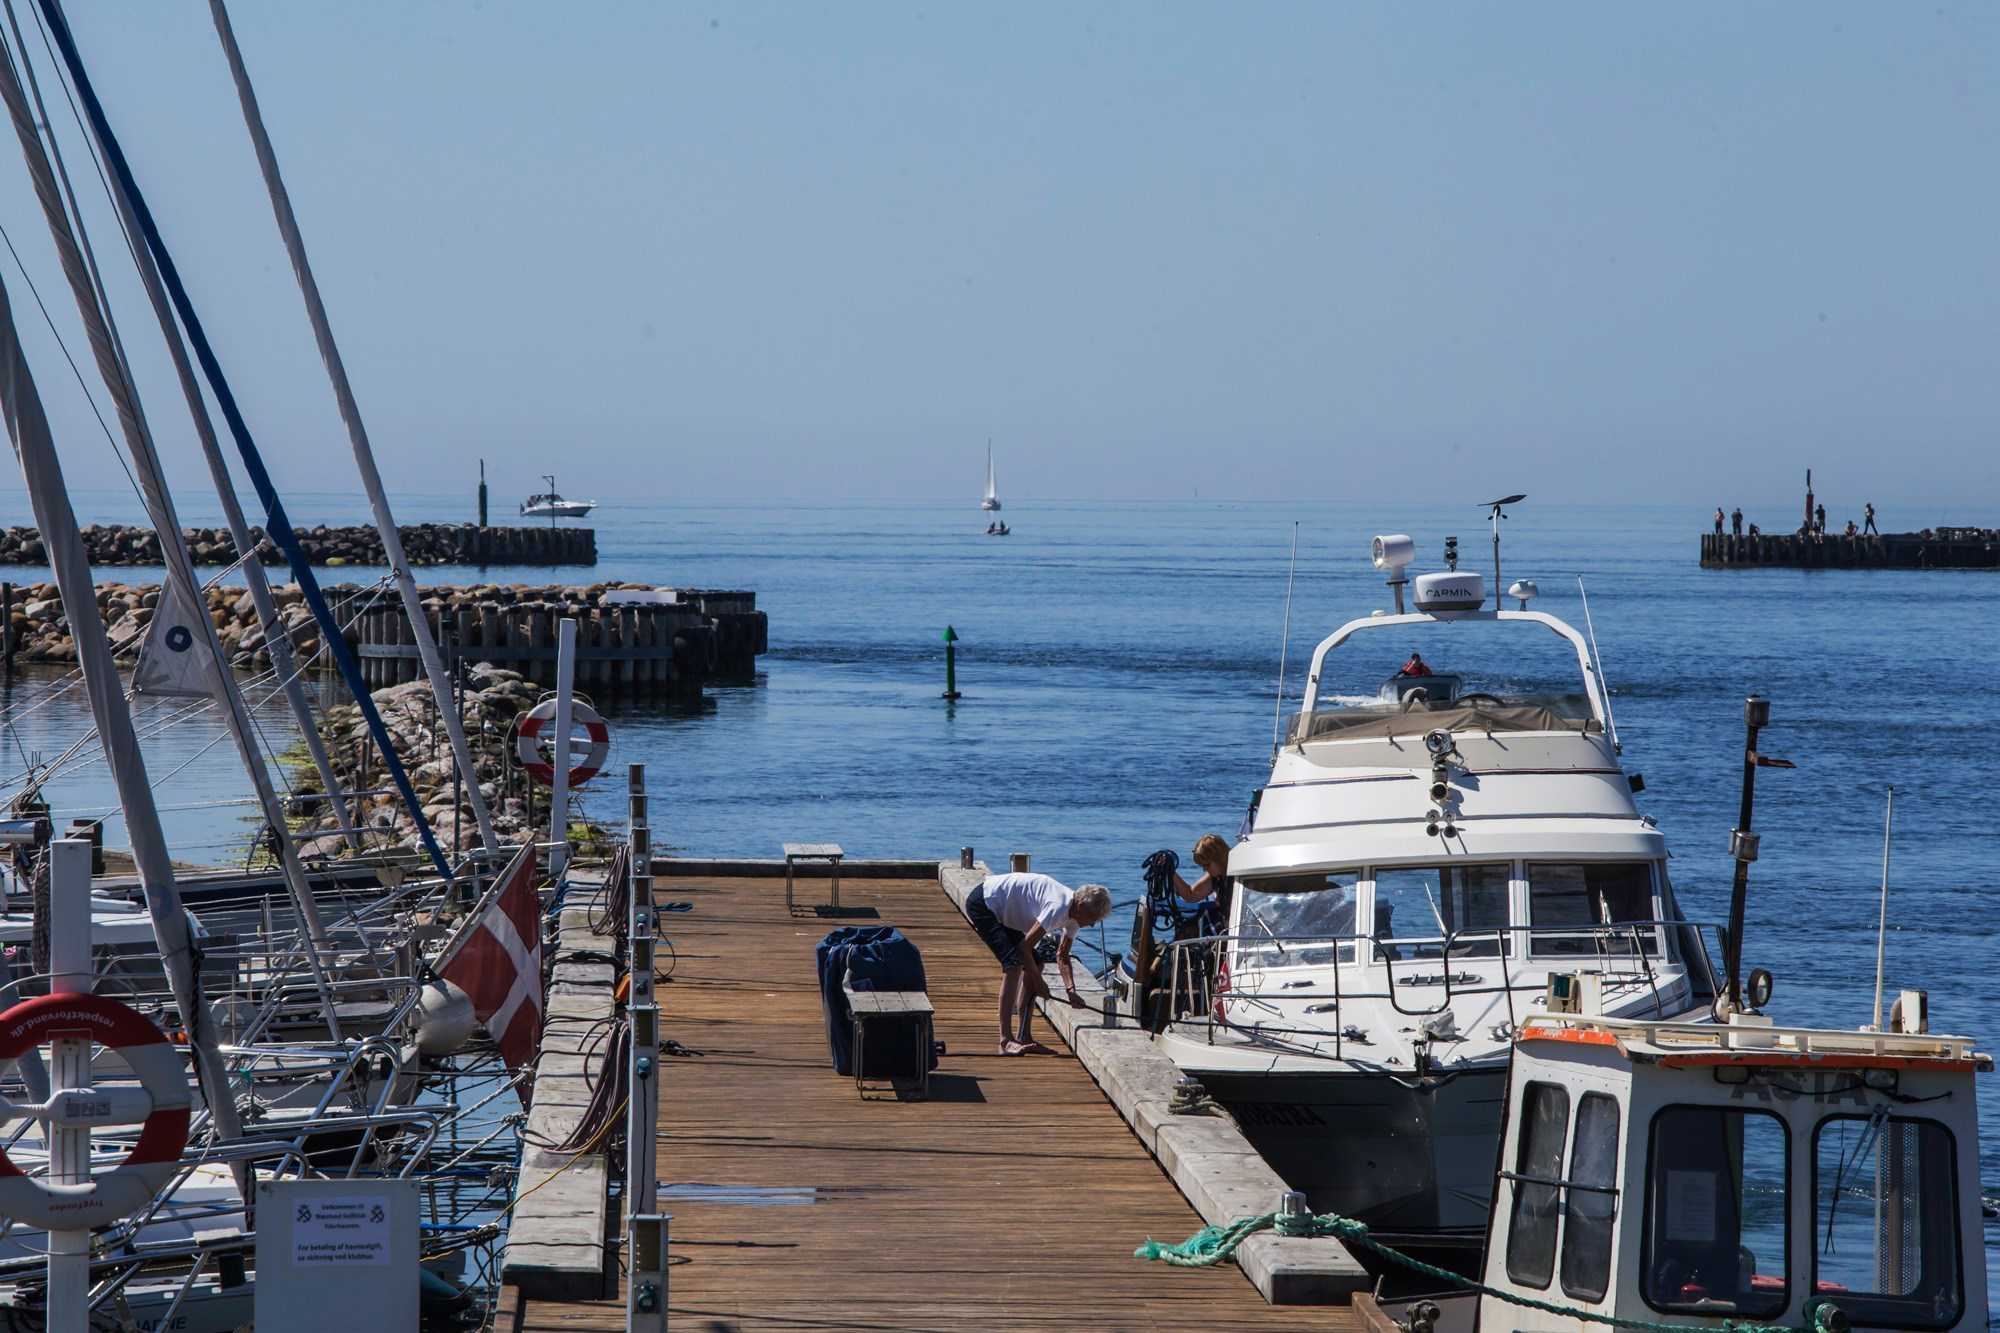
{"x": 1118, "y": 665}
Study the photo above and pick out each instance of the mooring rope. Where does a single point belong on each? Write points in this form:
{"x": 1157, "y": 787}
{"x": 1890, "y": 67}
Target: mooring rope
{"x": 1214, "y": 1244}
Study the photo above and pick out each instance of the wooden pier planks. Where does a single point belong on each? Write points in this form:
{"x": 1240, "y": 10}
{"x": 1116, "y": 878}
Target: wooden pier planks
{"x": 1010, "y": 1200}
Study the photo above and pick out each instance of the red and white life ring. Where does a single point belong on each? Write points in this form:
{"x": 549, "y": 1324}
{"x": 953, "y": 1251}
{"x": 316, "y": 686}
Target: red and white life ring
{"x": 131, "y": 1184}
{"x": 584, "y": 723}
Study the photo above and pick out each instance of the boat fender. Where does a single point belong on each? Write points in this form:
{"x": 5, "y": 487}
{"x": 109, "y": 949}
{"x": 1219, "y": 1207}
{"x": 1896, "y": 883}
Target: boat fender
{"x": 445, "y": 1019}
{"x": 154, "y": 1158}
{"x": 584, "y": 720}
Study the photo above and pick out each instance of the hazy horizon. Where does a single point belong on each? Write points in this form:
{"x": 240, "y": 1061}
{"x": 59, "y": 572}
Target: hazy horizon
{"x": 765, "y": 252}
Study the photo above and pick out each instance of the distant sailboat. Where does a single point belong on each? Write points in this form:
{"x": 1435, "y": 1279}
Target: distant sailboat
{"x": 992, "y": 500}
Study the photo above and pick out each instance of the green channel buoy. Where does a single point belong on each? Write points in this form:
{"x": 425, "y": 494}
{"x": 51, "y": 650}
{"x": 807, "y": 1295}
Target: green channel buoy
{"x": 950, "y": 662}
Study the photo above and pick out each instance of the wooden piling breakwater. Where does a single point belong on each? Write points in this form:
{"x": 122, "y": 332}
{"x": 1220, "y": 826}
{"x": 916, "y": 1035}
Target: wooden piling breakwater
{"x": 1933, "y": 548}
{"x": 424, "y": 544}
{"x": 632, "y": 640}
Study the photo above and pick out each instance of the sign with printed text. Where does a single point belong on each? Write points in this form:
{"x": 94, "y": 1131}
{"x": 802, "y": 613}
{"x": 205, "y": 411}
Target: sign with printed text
{"x": 343, "y": 1229}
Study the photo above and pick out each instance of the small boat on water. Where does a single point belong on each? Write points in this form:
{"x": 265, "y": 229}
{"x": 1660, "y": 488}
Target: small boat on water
{"x": 549, "y": 504}
{"x": 1428, "y": 850}
{"x": 991, "y": 503}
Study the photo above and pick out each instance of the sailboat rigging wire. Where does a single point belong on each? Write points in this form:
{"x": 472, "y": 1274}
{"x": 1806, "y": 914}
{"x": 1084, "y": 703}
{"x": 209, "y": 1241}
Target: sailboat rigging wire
{"x": 1285, "y": 642}
{"x": 278, "y": 525}
{"x": 74, "y": 369}
{"x": 1597, "y": 665}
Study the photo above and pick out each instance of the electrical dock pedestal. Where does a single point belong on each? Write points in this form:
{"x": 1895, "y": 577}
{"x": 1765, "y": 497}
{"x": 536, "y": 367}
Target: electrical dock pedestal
{"x": 1012, "y": 1196}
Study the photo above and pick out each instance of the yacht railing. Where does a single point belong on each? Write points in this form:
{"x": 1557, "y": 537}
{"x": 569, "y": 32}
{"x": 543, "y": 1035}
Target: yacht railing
{"x": 1624, "y": 953}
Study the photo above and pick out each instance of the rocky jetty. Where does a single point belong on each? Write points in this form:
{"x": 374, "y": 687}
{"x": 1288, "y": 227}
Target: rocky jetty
{"x": 676, "y": 644}
{"x": 493, "y": 699}
{"x": 424, "y": 544}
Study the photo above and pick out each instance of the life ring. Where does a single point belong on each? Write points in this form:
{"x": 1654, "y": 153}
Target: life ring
{"x": 156, "y": 1156}
{"x": 582, "y": 718}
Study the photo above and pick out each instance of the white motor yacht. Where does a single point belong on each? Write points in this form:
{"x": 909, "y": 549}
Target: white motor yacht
{"x": 1424, "y": 856}
{"x": 549, "y": 504}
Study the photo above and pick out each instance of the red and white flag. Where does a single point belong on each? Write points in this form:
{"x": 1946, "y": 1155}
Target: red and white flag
{"x": 497, "y": 960}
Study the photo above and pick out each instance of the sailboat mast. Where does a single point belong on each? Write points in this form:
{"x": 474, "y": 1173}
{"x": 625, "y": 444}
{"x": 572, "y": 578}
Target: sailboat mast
{"x": 166, "y": 522}
{"x": 28, "y": 425}
{"x": 357, "y": 432}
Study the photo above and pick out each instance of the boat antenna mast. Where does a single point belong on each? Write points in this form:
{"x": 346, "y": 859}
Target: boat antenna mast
{"x": 1499, "y": 507}
{"x": 1882, "y": 924}
{"x": 1743, "y": 846}
{"x": 1285, "y": 643}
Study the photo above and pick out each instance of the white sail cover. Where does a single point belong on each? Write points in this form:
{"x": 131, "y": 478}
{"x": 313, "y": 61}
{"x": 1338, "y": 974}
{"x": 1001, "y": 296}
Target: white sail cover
{"x": 168, "y": 662}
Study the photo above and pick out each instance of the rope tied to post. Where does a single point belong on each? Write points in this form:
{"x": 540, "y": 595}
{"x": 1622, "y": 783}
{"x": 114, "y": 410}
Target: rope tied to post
{"x": 1214, "y": 1244}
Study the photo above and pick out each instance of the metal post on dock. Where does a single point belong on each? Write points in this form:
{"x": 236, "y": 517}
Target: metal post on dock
{"x": 560, "y": 761}
{"x": 646, "y": 1229}
{"x": 69, "y": 1148}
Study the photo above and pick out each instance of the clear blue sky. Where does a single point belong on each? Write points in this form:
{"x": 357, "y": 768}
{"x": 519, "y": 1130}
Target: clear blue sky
{"x": 1596, "y": 252}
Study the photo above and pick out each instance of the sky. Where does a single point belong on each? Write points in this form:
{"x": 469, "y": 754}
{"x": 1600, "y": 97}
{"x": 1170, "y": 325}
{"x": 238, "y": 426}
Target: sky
{"x": 807, "y": 252}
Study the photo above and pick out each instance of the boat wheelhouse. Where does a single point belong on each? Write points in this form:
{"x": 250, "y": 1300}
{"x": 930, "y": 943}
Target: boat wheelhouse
{"x": 1423, "y": 858}
{"x": 1725, "y": 1175}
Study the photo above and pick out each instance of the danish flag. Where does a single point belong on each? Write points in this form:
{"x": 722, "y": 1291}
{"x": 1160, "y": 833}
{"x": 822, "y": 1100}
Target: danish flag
{"x": 497, "y": 960}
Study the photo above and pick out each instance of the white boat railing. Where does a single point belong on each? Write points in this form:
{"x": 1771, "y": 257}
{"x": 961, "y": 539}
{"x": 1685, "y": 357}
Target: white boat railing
{"x": 1198, "y": 990}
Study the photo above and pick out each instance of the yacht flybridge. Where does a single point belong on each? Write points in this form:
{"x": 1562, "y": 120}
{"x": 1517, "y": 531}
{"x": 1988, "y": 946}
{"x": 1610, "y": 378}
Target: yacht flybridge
{"x": 1427, "y": 852}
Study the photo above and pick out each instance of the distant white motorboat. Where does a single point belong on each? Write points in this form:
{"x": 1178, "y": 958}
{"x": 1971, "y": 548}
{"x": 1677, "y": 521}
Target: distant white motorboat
{"x": 992, "y": 500}
{"x": 551, "y": 505}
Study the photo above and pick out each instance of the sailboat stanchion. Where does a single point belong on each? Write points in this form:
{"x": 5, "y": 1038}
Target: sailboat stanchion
{"x": 559, "y": 780}
{"x": 69, "y": 1148}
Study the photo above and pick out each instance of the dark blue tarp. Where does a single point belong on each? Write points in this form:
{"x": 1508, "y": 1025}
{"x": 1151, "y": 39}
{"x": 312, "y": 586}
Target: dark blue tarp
{"x": 880, "y": 958}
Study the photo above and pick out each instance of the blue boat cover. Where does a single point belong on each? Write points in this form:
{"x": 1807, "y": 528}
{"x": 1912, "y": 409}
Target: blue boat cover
{"x": 879, "y": 958}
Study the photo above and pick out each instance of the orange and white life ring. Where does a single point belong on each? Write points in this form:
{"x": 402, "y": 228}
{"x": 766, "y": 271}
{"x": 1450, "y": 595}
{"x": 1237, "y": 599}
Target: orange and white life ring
{"x": 161, "y": 1104}
{"x": 585, "y": 726}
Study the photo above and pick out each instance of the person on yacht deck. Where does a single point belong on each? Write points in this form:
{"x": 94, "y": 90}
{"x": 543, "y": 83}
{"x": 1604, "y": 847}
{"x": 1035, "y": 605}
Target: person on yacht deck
{"x": 1416, "y": 666}
{"x": 1013, "y": 913}
{"x": 1211, "y": 853}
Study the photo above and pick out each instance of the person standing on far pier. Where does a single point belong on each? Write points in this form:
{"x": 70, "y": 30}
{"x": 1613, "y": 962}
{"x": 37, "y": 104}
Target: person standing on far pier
{"x": 1868, "y": 528}
{"x": 1819, "y": 519}
{"x": 1718, "y": 520}
{"x": 1735, "y": 522}
{"x": 1013, "y": 913}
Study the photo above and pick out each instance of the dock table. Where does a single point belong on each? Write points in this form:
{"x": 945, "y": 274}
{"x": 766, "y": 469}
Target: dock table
{"x": 829, "y": 852}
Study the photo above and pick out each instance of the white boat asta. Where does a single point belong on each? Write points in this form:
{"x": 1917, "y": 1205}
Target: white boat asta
{"x": 991, "y": 503}
{"x": 1420, "y": 862}
{"x": 1731, "y": 1175}
{"x": 551, "y": 505}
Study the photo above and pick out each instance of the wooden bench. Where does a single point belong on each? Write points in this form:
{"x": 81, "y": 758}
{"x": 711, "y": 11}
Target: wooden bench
{"x": 829, "y": 852}
{"x": 885, "y": 1011}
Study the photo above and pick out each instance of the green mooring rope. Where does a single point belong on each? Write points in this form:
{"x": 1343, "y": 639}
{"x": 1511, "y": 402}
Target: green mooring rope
{"x": 1213, "y": 1245}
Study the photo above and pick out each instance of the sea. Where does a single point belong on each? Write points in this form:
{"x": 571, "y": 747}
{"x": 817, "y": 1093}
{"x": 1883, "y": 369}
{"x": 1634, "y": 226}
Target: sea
{"x": 1119, "y": 667}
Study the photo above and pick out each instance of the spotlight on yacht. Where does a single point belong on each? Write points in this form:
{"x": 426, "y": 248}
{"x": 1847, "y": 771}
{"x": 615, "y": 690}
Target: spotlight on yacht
{"x": 1438, "y": 741}
{"x": 1392, "y": 554}
{"x": 1524, "y": 590}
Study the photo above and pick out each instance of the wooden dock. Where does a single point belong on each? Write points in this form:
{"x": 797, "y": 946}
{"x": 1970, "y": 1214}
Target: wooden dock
{"x": 1012, "y": 1199}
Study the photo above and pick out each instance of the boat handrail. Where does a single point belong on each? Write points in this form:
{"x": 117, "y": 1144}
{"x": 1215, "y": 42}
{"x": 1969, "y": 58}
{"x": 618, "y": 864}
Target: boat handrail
{"x": 1758, "y": 1038}
{"x": 1191, "y": 971}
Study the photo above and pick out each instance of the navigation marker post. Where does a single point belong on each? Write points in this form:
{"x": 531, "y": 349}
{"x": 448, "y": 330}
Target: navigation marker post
{"x": 950, "y": 663}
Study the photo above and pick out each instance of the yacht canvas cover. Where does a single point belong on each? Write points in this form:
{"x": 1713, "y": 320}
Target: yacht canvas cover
{"x": 866, "y": 958}
{"x": 1375, "y": 724}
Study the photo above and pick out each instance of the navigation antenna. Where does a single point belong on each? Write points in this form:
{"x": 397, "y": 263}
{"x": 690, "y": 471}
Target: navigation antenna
{"x": 1497, "y": 506}
{"x": 1597, "y": 665}
{"x": 1882, "y": 926}
{"x": 1284, "y": 645}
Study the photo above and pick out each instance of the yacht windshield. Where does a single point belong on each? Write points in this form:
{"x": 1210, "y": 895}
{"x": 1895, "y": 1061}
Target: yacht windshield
{"x": 1578, "y": 907}
{"x": 1417, "y": 906}
{"x": 1296, "y": 920}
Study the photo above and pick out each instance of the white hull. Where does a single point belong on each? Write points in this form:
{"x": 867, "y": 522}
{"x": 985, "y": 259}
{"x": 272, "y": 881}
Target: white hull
{"x": 562, "y": 509}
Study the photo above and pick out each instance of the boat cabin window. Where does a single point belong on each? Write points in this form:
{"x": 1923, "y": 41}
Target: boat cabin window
{"x": 1716, "y": 1228}
{"x": 1417, "y": 906}
{"x": 1575, "y": 907}
{"x": 1885, "y": 1221}
{"x": 1591, "y": 1205}
{"x": 1296, "y": 920}
{"x": 1538, "y": 1164}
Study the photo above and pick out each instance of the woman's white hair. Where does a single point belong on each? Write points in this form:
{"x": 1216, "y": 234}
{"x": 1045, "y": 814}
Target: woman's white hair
{"x": 1091, "y": 900}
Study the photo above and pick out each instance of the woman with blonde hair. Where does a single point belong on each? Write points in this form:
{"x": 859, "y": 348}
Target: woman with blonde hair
{"x": 1211, "y": 853}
